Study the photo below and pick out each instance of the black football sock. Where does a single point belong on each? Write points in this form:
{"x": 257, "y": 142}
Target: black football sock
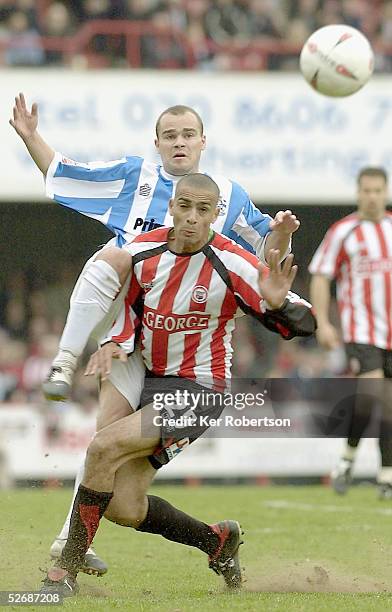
{"x": 386, "y": 451}
{"x": 88, "y": 509}
{"x": 360, "y": 418}
{"x": 162, "y": 518}
{"x": 385, "y": 440}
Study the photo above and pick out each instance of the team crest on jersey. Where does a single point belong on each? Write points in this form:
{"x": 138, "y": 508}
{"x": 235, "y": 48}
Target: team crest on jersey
{"x": 199, "y": 294}
{"x": 222, "y": 205}
{"x": 145, "y": 190}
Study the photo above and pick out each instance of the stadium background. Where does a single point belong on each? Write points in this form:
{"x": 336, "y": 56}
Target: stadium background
{"x": 102, "y": 72}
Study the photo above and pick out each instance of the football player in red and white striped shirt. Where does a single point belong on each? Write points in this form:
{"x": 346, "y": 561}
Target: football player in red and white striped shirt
{"x": 357, "y": 253}
{"x": 193, "y": 282}
{"x": 191, "y": 299}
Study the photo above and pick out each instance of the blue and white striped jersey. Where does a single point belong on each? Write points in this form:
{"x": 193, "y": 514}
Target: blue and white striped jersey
{"x": 131, "y": 195}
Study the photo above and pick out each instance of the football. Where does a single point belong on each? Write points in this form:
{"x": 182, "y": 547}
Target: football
{"x": 337, "y": 60}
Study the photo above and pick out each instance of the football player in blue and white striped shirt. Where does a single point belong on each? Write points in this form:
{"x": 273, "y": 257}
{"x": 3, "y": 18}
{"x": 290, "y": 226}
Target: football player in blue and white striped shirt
{"x": 130, "y": 196}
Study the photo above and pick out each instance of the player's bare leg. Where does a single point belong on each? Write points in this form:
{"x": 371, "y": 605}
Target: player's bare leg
{"x": 112, "y": 407}
{"x": 341, "y": 476}
{"x": 91, "y": 303}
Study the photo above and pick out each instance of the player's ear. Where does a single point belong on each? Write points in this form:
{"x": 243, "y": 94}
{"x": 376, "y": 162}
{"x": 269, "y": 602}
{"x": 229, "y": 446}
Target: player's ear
{"x": 156, "y": 143}
{"x": 171, "y": 202}
{"x": 204, "y": 141}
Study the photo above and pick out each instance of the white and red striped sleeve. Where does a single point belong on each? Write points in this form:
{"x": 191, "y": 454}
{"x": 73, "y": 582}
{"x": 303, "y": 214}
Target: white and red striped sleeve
{"x": 294, "y": 318}
{"x": 331, "y": 252}
{"x": 242, "y": 268}
{"x": 123, "y": 331}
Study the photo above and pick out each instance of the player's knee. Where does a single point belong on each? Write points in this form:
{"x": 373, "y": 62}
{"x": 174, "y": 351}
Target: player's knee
{"x": 119, "y": 259}
{"x": 102, "y": 451}
{"x": 130, "y": 516}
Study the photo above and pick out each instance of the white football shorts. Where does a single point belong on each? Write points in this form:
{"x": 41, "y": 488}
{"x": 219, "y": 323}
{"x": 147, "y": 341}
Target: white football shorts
{"x": 128, "y": 378}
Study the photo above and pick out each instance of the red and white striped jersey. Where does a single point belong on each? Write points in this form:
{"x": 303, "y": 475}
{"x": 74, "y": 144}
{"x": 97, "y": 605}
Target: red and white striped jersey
{"x": 190, "y": 303}
{"x": 358, "y": 254}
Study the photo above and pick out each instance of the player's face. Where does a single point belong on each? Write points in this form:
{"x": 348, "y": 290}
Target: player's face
{"x": 372, "y": 197}
{"x": 193, "y": 210}
{"x": 180, "y": 143}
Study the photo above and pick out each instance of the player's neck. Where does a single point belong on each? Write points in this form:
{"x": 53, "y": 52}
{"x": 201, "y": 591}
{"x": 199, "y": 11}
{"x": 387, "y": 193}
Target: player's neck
{"x": 376, "y": 218}
{"x": 177, "y": 177}
{"x": 181, "y": 246}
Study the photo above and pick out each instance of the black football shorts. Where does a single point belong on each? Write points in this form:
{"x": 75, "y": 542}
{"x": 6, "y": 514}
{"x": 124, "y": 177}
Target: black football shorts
{"x": 184, "y": 411}
{"x": 363, "y": 358}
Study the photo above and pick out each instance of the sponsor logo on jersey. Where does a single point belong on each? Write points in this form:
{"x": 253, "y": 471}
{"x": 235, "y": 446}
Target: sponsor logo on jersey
{"x": 366, "y": 266}
{"x": 177, "y": 447}
{"x": 172, "y": 323}
{"x": 145, "y": 190}
{"x": 146, "y": 225}
{"x": 199, "y": 294}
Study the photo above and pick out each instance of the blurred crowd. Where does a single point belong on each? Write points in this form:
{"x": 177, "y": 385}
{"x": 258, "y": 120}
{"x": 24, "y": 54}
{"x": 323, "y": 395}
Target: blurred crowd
{"x": 32, "y": 317}
{"x": 203, "y": 34}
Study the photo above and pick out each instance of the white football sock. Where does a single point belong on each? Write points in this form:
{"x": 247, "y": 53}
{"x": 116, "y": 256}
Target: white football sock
{"x": 63, "y": 535}
{"x": 385, "y": 475}
{"x": 349, "y": 453}
{"x": 93, "y": 299}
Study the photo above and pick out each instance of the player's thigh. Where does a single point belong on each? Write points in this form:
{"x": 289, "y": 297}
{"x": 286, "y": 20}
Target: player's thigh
{"x": 112, "y": 406}
{"x": 136, "y": 435}
{"x": 129, "y": 504}
{"x": 120, "y": 394}
{"x": 365, "y": 360}
{"x": 128, "y": 378}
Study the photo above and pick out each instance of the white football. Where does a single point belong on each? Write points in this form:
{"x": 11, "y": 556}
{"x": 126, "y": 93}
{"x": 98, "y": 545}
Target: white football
{"x": 337, "y": 60}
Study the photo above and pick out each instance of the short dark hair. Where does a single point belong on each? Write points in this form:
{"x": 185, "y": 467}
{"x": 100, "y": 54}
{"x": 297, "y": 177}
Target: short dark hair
{"x": 199, "y": 181}
{"x": 372, "y": 171}
{"x": 179, "y": 109}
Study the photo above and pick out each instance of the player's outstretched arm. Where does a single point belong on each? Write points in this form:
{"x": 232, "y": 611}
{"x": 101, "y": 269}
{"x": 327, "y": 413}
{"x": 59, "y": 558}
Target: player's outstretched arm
{"x": 278, "y": 283}
{"x": 284, "y": 224}
{"x": 320, "y": 295}
{"x": 25, "y": 124}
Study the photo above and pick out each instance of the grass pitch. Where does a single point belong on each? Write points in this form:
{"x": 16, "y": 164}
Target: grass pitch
{"x": 305, "y": 550}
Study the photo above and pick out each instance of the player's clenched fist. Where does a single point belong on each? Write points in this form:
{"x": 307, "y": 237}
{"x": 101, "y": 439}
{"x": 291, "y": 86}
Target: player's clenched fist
{"x": 285, "y": 222}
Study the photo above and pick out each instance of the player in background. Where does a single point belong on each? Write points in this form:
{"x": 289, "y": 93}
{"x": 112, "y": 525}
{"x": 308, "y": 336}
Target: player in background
{"x": 357, "y": 253}
{"x": 129, "y": 196}
{"x": 193, "y": 283}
